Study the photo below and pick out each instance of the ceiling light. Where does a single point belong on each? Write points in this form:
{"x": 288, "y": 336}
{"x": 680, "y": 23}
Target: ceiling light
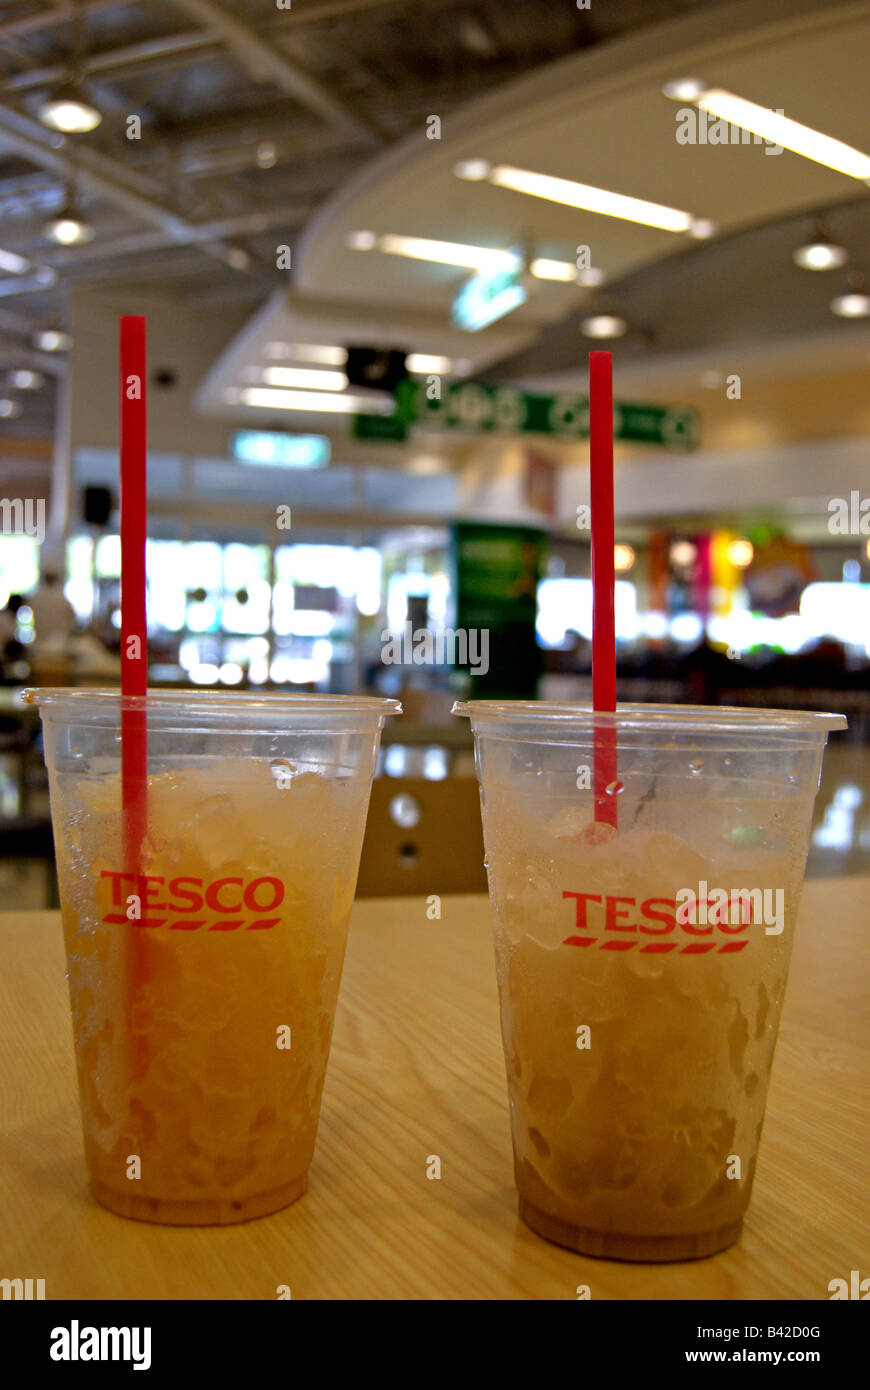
{"x": 9, "y": 409}
{"x": 15, "y": 264}
{"x": 684, "y": 88}
{"x": 425, "y": 464}
{"x": 603, "y": 326}
{"x": 361, "y": 241}
{"x": 740, "y": 553}
{"x": 308, "y": 378}
{"x": 591, "y": 276}
{"x": 820, "y": 253}
{"x": 623, "y": 558}
{"x": 448, "y": 252}
{"x": 780, "y": 130}
{"x": 27, "y": 381}
{"x": 544, "y": 269}
{"x": 69, "y": 228}
{"x": 584, "y": 195}
{"x": 683, "y": 553}
{"x": 475, "y": 37}
{"x": 315, "y": 401}
{"x": 237, "y": 258}
{"x": 702, "y": 228}
{"x": 854, "y": 305}
{"x": 52, "y": 340}
{"x": 422, "y": 363}
{"x": 266, "y": 154}
{"x": 472, "y": 169}
{"x": 307, "y": 352}
{"x": 68, "y": 111}
{"x": 711, "y": 380}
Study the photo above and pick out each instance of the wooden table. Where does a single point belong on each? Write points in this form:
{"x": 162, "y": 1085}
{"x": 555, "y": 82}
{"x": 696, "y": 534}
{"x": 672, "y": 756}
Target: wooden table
{"x": 417, "y": 1070}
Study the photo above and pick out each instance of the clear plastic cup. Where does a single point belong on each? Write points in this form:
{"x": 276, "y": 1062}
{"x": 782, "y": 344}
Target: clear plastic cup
{"x": 204, "y": 965}
{"x": 640, "y": 1007}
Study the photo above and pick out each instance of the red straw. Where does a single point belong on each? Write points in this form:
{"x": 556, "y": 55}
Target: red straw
{"x": 134, "y": 646}
{"x": 603, "y": 626}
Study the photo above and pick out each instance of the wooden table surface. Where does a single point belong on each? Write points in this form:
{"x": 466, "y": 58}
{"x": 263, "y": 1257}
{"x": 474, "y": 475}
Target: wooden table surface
{"x": 416, "y": 1070}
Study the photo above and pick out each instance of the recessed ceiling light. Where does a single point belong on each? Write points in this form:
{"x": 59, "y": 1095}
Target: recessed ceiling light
{"x": 780, "y": 130}
{"x": 9, "y": 409}
{"x": 24, "y": 380}
{"x": 314, "y": 401}
{"x": 472, "y": 169}
{"x": 684, "y": 88}
{"x": 711, "y": 380}
{"x": 422, "y": 363}
{"x": 52, "y": 340}
{"x": 68, "y": 111}
{"x": 623, "y": 558}
{"x": 590, "y": 277}
{"x": 584, "y": 195}
{"x": 361, "y": 241}
{"x": 820, "y": 253}
{"x": 309, "y": 378}
{"x": 266, "y": 154}
{"x": 13, "y": 263}
{"x": 702, "y": 228}
{"x": 237, "y": 258}
{"x": 603, "y": 326}
{"x": 854, "y": 305}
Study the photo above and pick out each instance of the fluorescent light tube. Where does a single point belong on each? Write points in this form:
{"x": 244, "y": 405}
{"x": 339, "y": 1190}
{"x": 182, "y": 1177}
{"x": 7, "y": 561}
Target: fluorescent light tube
{"x": 583, "y": 195}
{"x": 780, "y": 130}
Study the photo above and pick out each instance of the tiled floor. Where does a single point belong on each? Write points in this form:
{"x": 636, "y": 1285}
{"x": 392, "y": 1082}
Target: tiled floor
{"x": 840, "y": 840}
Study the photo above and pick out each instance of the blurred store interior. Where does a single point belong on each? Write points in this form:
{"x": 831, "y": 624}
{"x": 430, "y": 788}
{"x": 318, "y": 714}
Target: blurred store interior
{"x": 375, "y": 243}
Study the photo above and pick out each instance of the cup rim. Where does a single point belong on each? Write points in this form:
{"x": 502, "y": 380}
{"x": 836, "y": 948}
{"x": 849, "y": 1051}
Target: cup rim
{"x": 710, "y": 718}
{"x": 199, "y": 700}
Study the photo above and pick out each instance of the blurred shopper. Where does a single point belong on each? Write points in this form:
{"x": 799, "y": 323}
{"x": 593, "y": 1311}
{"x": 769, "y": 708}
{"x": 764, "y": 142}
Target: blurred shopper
{"x": 54, "y": 618}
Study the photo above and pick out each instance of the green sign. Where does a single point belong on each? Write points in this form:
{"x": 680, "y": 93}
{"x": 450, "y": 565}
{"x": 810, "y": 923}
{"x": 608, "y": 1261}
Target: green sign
{"x": 475, "y": 407}
{"x": 378, "y": 427}
{"x": 496, "y": 574}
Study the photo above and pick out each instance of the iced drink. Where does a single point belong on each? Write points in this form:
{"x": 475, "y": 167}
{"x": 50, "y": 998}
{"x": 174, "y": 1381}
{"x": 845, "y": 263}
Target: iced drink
{"x": 200, "y": 1075}
{"x": 642, "y": 969}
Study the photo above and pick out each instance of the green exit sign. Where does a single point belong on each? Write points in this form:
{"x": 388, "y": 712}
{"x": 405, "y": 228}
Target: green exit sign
{"x": 489, "y": 295}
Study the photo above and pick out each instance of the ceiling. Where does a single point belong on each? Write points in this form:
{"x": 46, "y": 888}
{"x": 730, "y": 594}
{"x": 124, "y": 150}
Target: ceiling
{"x": 251, "y": 118}
{"x": 600, "y": 117}
{"x": 263, "y": 127}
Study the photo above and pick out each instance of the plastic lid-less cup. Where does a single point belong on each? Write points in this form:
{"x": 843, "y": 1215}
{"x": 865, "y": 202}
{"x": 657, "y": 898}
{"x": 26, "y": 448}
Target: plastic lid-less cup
{"x": 642, "y": 969}
{"x": 203, "y": 977}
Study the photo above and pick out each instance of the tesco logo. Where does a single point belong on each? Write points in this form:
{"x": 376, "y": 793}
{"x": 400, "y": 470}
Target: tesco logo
{"x": 182, "y": 897}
